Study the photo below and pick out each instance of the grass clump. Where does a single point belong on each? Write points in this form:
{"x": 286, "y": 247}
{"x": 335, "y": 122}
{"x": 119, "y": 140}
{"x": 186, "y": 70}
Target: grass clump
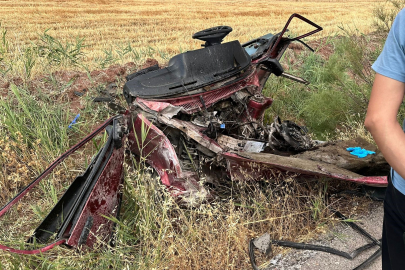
{"x": 18, "y": 164}
{"x": 35, "y": 119}
{"x": 68, "y": 54}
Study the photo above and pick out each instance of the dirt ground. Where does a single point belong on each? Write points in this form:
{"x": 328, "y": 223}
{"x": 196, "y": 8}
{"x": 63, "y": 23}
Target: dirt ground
{"x": 341, "y": 237}
{"x": 71, "y": 86}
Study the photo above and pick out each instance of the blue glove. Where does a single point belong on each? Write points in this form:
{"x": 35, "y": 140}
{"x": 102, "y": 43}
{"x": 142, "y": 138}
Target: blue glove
{"x": 359, "y": 152}
{"x": 74, "y": 121}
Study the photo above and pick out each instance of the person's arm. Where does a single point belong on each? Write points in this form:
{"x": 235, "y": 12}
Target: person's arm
{"x": 381, "y": 120}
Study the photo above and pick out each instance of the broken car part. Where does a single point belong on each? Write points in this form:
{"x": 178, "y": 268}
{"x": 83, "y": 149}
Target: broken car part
{"x": 204, "y": 110}
{"x": 264, "y": 243}
{"x": 79, "y": 217}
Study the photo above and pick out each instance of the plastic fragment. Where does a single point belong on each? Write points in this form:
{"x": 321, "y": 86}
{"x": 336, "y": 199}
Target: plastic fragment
{"x": 263, "y": 243}
{"x": 359, "y": 152}
{"x": 74, "y": 121}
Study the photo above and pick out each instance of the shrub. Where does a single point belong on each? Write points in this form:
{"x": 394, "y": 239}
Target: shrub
{"x": 385, "y": 14}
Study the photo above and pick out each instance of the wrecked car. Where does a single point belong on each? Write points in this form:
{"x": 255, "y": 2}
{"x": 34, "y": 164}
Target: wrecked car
{"x": 204, "y": 113}
{"x": 193, "y": 121}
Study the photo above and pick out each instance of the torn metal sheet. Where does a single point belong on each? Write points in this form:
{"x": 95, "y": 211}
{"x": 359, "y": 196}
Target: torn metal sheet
{"x": 97, "y": 190}
{"x": 164, "y": 108}
{"x": 158, "y": 151}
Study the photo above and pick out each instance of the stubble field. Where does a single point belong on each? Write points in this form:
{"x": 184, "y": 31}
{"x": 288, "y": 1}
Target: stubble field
{"x": 163, "y": 28}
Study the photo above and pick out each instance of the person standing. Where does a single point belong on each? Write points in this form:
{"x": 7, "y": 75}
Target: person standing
{"x": 381, "y": 120}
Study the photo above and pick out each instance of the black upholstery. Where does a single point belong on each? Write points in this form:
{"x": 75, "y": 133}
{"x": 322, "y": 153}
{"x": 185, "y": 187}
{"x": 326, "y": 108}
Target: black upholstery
{"x": 189, "y": 71}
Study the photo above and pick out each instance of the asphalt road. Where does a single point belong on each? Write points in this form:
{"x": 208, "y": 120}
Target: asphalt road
{"x": 341, "y": 237}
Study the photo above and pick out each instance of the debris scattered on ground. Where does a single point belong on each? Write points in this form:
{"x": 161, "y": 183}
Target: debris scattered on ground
{"x": 340, "y": 237}
{"x": 74, "y": 121}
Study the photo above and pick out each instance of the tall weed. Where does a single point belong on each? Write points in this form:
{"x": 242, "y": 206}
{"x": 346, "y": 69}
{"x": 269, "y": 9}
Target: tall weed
{"x": 384, "y": 15}
{"x": 61, "y": 54}
{"x": 4, "y": 47}
{"x": 29, "y": 59}
{"x": 340, "y": 84}
{"x": 36, "y": 118}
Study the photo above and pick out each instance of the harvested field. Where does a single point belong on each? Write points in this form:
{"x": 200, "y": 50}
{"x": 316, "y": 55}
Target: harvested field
{"x": 161, "y": 29}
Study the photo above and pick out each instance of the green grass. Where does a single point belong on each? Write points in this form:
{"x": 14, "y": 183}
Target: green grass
{"x": 339, "y": 89}
{"x": 154, "y": 232}
{"x": 35, "y": 118}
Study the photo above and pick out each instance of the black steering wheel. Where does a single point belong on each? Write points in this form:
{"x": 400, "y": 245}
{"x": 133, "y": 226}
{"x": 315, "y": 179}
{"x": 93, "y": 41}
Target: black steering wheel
{"x": 213, "y": 35}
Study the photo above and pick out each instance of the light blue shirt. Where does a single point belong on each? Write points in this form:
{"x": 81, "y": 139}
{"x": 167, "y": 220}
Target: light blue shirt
{"x": 391, "y": 63}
